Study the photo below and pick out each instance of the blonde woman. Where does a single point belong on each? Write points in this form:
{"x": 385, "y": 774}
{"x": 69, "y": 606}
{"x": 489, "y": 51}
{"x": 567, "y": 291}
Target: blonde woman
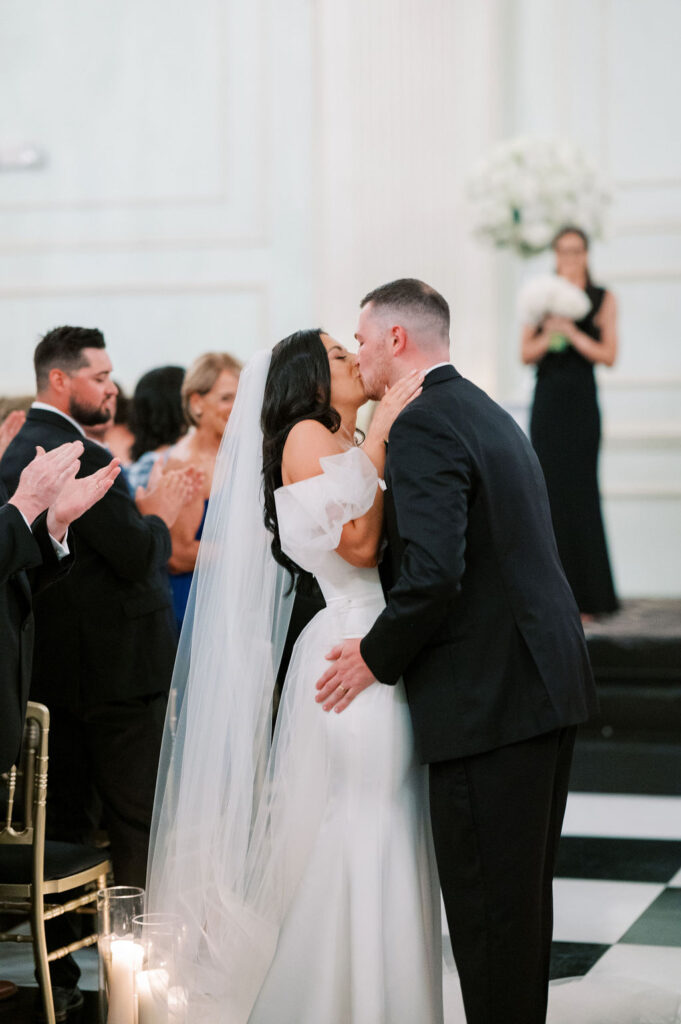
{"x": 208, "y": 394}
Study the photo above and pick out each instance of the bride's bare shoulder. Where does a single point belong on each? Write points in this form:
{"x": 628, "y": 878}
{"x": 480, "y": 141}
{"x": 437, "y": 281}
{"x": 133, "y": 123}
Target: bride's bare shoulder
{"x": 307, "y": 443}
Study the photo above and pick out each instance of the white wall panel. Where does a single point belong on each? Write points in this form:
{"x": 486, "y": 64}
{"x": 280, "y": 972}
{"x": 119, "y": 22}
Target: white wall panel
{"x": 643, "y": 535}
{"x": 643, "y": 86}
{"x": 408, "y": 101}
{"x": 173, "y": 208}
{"x": 145, "y": 325}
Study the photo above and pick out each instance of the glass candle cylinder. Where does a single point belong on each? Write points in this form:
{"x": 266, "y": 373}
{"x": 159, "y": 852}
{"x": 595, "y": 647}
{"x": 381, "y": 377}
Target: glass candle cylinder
{"x": 160, "y": 998}
{"x": 120, "y": 956}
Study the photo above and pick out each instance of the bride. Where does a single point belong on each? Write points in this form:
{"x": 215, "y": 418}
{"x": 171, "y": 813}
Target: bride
{"x": 301, "y": 866}
{"x": 303, "y": 872}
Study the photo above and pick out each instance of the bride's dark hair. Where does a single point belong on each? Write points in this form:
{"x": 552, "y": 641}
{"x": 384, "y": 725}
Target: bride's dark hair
{"x": 298, "y": 387}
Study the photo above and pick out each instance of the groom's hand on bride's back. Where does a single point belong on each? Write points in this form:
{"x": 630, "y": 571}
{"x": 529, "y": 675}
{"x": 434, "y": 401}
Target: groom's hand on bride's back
{"x": 348, "y": 675}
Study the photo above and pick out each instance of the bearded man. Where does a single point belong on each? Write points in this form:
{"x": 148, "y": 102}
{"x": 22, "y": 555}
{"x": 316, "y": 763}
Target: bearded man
{"x": 104, "y": 635}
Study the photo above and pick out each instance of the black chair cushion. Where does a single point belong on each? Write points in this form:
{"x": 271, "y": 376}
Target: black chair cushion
{"x": 61, "y": 860}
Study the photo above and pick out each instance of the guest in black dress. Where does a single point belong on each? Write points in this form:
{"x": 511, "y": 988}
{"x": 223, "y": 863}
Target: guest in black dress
{"x": 565, "y": 425}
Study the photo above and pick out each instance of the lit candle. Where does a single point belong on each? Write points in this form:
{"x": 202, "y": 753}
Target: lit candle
{"x": 126, "y": 959}
{"x": 152, "y": 996}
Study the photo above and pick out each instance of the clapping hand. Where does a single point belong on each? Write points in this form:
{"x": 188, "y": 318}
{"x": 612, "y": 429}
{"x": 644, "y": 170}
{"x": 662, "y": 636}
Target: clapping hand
{"x": 49, "y": 482}
{"x": 9, "y": 428}
{"x": 168, "y": 493}
{"x": 77, "y": 495}
{"x": 43, "y": 478}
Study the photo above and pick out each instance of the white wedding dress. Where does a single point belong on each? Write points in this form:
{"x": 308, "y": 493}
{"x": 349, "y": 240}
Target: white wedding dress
{"x": 361, "y": 942}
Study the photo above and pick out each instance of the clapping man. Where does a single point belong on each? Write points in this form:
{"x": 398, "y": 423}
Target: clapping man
{"x": 33, "y": 553}
{"x": 105, "y": 635}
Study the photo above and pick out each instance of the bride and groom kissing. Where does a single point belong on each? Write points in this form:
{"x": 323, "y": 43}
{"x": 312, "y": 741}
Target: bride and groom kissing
{"x": 425, "y": 731}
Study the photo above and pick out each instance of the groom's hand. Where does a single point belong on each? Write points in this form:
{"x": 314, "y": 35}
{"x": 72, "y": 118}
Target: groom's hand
{"x": 347, "y": 677}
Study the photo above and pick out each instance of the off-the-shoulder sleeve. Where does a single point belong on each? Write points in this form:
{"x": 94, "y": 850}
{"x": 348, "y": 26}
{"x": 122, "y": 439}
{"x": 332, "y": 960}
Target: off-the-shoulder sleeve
{"x": 311, "y": 513}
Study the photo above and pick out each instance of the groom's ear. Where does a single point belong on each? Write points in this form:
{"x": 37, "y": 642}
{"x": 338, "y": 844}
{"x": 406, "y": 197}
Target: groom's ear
{"x": 398, "y": 340}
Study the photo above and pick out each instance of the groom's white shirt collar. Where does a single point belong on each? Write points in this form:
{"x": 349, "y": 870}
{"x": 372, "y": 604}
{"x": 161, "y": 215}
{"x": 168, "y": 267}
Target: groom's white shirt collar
{"x": 53, "y": 408}
{"x": 436, "y": 367}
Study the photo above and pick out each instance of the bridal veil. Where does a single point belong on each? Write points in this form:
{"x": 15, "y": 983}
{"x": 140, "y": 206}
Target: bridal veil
{"x": 222, "y": 857}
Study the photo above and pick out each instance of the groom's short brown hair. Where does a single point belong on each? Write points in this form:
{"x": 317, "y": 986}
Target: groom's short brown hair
{"x": 410, "y": 295}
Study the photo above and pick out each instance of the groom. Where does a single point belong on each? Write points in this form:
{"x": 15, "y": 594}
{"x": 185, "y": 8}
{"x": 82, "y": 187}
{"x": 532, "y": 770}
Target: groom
{"x": 481, "y": 624}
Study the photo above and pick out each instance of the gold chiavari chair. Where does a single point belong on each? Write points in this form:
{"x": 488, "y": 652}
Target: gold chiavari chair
{"x": 32, "y": 868}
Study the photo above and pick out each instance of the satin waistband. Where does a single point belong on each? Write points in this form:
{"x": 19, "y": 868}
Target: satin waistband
{"x": 356, "y": 615}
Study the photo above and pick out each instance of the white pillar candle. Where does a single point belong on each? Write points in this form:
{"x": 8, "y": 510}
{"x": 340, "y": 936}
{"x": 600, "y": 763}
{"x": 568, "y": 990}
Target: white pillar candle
{"x": 152, "y": 996}
{"x": 104, "y": 950}
{"x": 126, "y": 959}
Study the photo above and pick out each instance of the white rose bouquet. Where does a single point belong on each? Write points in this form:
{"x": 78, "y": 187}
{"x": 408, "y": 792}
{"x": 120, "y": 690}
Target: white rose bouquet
{"x": 551, "y": 295}
{"x": 527, "y": 189}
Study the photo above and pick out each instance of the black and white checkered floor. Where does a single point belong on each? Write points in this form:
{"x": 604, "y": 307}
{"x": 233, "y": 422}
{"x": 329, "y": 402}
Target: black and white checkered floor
{"x": 617, "y": 901}
{"x": 618, "y": 889}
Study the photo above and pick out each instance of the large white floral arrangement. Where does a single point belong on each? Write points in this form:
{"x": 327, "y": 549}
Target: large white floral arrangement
{"x": 527, "y": 189}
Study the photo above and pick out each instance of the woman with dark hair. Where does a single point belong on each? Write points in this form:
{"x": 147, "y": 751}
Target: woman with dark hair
{"x": 298, "y": 412}
{"x": 156, "y": 420}
{"x": 312, "y": 859}
{"x": 565, "y": 425}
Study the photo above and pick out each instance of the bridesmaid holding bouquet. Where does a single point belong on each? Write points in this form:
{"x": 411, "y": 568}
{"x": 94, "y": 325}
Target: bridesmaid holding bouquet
{"x": 565, "y": 425}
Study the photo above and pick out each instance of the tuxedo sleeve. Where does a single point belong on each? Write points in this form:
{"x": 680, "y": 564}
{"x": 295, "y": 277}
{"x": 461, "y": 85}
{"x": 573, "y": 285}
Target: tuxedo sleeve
{"x": 431, "y": 480}
{"x": 131, "y": 543}
{"x": 51, "y": 568}
{"x": 18, "y": 547}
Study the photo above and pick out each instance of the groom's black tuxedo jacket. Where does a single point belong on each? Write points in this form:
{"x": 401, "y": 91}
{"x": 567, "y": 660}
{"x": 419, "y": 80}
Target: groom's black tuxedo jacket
{"x": 480, "y": 620}
{"x": 27, "y": 564}
{"x": 105, "y": 632}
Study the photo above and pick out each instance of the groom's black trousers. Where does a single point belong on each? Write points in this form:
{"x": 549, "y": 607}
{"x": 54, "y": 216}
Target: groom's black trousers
{"x": 497, "y": 819}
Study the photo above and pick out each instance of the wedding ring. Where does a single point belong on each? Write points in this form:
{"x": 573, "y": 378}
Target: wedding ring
{"x": 342, "y": 691}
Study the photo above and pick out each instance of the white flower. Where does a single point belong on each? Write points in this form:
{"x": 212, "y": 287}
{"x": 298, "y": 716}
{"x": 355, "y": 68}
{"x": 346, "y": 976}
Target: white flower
{"x": 527, "y": 189}
{"x": 537, "y": 235}
{"x": 549, "y": 294}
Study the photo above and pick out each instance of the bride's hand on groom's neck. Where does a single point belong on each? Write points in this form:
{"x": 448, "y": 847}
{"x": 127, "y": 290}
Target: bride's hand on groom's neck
{"x": 388, "y": 409}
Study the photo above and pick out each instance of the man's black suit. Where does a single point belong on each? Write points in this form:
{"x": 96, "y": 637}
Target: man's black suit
{"x": 27, "y": 564}
{"x": 481, "y": 624}
{"x": 104, "y": 654}
{"x": 111, "y": 616}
